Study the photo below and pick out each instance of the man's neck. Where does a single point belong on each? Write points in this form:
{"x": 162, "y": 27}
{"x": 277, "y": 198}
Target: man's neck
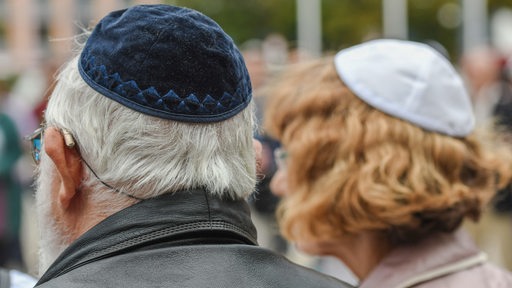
{"x": 89, "y": 212}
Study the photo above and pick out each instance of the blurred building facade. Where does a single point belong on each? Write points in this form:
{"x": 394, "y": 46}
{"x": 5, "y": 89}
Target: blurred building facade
{"x": 35, "y": 31}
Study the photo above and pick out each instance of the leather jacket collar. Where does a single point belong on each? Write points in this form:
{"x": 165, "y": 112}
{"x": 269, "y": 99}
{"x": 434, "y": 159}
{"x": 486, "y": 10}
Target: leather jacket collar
{"x": 185, "y": 217}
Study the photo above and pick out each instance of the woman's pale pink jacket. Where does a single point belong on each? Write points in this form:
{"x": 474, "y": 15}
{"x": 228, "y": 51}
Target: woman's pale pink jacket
{"x": 441, "y": 261}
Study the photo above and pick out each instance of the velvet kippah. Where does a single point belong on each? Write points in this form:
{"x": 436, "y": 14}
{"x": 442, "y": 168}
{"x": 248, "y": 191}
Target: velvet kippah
{"x": 169, "y": 62}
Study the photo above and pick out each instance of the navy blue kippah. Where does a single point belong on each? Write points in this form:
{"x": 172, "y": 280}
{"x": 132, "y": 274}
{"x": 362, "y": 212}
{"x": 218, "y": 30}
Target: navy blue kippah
{"x": 169, "y": 62}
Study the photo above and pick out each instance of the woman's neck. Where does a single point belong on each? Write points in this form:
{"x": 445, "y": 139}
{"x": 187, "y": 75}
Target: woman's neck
{"x": 363, "y": 252}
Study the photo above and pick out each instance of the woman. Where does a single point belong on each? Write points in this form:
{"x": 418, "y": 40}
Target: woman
{"x": 382, "y": 166}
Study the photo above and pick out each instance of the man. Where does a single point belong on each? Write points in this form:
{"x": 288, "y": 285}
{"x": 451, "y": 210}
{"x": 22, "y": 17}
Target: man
{"x": 146, "y": 159}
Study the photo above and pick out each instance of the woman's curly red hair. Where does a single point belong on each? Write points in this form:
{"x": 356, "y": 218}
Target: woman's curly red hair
{"x": 353, "y": 168}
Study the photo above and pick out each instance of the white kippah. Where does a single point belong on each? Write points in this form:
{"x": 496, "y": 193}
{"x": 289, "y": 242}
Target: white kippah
{"x": 408, "y": 80}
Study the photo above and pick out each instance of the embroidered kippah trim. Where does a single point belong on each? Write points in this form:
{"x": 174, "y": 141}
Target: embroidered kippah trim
{"x": 189, "y": 105}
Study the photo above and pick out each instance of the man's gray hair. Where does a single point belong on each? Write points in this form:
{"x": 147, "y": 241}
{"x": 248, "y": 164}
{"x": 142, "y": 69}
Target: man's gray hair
{"x": 146, "y": 156}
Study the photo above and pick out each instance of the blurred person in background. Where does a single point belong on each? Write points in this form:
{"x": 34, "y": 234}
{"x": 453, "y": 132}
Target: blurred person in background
{"x": 10, "y": 201}
{"x": 380, "y": 166}
{"x": 488, "y": 76}
{"x": 146, "y": 158}
{"x": 480, "y": 69}
{"x": 23, "y": 95}
{"x": 263, "y": 64}
{"x": 10, "y": 186}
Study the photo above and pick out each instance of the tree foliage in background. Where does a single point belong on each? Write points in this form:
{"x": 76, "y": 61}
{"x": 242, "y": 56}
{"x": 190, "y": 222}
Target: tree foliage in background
{"x": 248, "y": 19}
{"x": 425, "y": 27}
{"x": 2, "y": 29}
{"x": 344, "y": 22}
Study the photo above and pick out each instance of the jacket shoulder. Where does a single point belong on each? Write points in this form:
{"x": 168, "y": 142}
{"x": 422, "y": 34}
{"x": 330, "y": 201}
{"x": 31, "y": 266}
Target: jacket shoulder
{"x": 196, "y": 266}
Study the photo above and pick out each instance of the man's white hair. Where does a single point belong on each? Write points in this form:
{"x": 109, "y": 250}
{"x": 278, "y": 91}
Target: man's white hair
{"x": 147, "y": 156}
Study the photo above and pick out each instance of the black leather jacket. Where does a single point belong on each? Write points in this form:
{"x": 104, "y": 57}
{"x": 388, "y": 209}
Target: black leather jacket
{"x": 186, "y": 239}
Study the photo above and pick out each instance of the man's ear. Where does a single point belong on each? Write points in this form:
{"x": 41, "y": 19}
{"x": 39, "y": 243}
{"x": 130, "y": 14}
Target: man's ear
{"x": 67, "y": 163}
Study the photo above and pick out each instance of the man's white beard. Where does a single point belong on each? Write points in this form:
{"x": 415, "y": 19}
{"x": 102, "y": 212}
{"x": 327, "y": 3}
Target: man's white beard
{"x": 52, "y": 240}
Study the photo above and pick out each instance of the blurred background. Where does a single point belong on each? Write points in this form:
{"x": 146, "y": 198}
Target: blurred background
{"x": 36, "y": 38}
{"x": 35, "y": 30}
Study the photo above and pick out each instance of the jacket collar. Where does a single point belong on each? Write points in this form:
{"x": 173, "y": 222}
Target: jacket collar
{"x": 170, "y": 218}
{"x": 439, "y": 255}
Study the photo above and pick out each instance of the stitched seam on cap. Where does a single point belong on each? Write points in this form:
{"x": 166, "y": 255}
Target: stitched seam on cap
{"x": 152, "y": 45}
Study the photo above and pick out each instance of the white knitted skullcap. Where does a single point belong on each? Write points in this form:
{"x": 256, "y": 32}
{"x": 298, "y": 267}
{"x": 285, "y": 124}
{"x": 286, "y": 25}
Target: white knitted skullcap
{"x": 410, "y": 81}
